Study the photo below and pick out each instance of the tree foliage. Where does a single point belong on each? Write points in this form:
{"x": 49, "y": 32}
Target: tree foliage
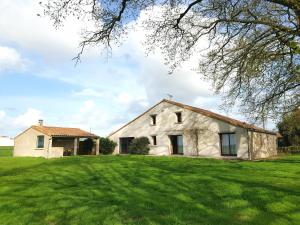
{"x": 107, "y": 146}
{"x": 139, "y": 146}
{"x": 254, "y": 51}
{"x": 289, "y": 128}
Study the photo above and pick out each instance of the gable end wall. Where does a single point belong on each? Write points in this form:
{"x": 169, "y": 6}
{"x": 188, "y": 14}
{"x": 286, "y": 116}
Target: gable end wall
{"x": 200, "y": 133}
{"x": 26, "y": 144}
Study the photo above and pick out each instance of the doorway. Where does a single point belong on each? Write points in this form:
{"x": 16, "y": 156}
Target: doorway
{"x": 124, "y": 144}
{"x": 176, "y": 144}
{"x": 85, "y": 146}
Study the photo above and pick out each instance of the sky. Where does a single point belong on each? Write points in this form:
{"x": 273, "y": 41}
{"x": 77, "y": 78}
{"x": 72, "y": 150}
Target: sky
{"x": 39, "y": 80}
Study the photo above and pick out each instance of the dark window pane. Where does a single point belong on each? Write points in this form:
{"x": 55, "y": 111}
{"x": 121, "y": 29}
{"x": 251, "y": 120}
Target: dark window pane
{"x": 154, "y": 140}
{"x": 179, "y": 117}
{"x": 225, "y": 144}
{"x": 153, "y": 117}
{"x": 40, "y": 141}
{"x": 180, "y": 144}
{"x": 232, "y": 144}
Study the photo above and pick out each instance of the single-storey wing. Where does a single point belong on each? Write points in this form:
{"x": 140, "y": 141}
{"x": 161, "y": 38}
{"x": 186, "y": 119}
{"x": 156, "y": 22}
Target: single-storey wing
{"x": 50, "y": 142}
{"x": 175, "y": 128}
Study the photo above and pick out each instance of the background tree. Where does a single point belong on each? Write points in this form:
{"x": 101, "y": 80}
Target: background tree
{"x": 289, "y": 128}
{"x": 254, "y": 52}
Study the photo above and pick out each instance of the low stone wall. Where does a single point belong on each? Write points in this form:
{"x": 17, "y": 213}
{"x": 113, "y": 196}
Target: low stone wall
{"x": 56, "y": 152}
{"x": 263, "y": 145}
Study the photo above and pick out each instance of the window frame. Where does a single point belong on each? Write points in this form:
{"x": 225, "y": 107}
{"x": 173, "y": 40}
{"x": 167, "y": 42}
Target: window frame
{"x": 154, "y": 139}
{"x": 37, "y": 142}
{"x": 229, "y": 146}
{"x": 153, "y": 119}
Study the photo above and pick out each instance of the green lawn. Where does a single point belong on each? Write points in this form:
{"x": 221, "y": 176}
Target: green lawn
{"x": 6, "y": 151}
{"x": 149, "y": 190}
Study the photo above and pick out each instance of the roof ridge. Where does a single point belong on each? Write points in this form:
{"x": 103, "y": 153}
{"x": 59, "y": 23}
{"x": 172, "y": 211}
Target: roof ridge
{"x": 242, "y": 123}
{"x": 57, "y": 127}
{"x": 217, "y": 116}
{"x": 57, "y": 131}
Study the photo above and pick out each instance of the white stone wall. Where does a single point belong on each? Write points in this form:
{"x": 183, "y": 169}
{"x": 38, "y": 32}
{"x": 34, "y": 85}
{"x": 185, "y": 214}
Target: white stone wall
{"x": 26, "y": 144}
{"x": 263, "y": 145}
{"x": 194, "y": 127}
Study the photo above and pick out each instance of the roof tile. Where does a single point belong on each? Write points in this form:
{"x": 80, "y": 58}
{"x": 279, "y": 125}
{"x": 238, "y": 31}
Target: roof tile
{"x": 63, "y": 131}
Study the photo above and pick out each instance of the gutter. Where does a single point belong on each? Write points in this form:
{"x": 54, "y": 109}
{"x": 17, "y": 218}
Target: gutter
{"x": 48, "y": 147}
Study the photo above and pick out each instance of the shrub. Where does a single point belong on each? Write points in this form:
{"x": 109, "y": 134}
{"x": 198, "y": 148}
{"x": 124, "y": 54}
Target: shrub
{"x": 139, "y": 146}
{"x": 107, "y": 146}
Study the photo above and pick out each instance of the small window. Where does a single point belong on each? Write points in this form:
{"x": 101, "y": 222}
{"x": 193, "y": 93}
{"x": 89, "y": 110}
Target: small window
{"x": 154, "y": 140}
{"x": 179, "y": 117}
{"x": 153, "y": 118}
{"x": 40, "y": 141}
{"x": 228, "y": 144}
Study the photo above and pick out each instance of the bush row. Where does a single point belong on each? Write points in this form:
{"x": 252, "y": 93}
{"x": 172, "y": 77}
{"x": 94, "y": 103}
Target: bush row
{"x": 137, "y": 146}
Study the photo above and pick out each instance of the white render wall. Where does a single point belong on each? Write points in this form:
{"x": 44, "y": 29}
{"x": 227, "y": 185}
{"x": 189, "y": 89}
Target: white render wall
{"x": 194, "y": 127}
{"x": 26, "y": 144}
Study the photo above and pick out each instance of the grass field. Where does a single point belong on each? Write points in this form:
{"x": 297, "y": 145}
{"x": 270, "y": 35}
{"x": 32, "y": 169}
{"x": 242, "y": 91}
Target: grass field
{"x": 149, "y": 190}
{"x": 6, "y": 151}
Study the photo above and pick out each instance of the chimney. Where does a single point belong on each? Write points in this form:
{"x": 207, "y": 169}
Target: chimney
{"x": 40, "y": 122}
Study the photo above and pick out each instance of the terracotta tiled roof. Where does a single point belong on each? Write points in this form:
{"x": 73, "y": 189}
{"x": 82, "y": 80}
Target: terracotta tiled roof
{"x": 63, "y": 131}
{"x": 209, "y": 114}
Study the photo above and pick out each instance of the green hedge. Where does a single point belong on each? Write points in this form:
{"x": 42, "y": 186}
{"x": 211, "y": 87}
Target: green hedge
{"x": 139, "y": 146}
{"x": 107, "y": 146}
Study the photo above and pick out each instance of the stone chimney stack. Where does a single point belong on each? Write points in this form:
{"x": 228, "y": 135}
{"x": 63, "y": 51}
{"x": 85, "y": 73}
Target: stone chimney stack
{"x": 40, "y": 122}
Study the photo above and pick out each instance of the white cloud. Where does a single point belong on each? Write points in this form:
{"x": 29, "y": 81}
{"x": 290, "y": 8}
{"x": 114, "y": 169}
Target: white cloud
{"x": 185, "y": 83}
{"x": 10, "y": 59}
{"x": 128, "y": 79}
{"x": 90, "y": 117}
{"x": 30, "y": 117}
{"x": 87, "y": 106}
{"x": 128, "y": 68}
{"x": 126, "y": 99}
{"x": 89, "y": 92}
{"x": 19, "y": 24}
{"x": 2, "y": 114}
{"x": 14, "y": 124}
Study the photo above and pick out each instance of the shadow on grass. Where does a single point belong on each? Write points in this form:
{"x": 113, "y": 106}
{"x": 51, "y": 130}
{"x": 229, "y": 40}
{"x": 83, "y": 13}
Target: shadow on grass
{"x": 148, "y": 190}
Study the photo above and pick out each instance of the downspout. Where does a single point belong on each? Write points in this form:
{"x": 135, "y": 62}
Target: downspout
{"x": 249, "y": 151}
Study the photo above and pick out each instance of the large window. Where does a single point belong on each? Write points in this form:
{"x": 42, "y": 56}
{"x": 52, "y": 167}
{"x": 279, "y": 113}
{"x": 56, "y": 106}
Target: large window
{"x": 228, "y": 144}
{"x": 153, "y": 119}
{"x": 40, "y": 141}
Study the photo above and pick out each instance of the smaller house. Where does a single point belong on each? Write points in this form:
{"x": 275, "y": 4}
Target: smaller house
{"x": 51, "y": 142}
{"x": 6, "y": 141}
